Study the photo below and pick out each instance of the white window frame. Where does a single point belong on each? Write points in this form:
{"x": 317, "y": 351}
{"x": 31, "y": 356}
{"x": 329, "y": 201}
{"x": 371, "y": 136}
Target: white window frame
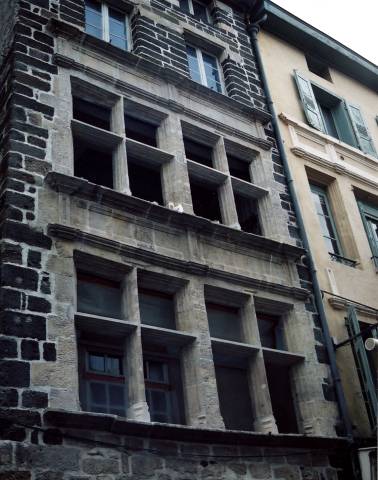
{"x": 191, "y": 9}
{"x": 202, "y": 67}
{"x": 106, "y": 29}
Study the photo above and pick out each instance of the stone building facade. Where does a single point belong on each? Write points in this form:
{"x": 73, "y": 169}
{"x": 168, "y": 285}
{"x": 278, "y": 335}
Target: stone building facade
{"x": 153, "y": 319}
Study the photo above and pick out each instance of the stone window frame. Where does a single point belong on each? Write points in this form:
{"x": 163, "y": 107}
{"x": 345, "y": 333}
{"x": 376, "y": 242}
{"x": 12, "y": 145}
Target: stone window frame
{"x": 105, "y": 31}
{"x": 219, "y": 174}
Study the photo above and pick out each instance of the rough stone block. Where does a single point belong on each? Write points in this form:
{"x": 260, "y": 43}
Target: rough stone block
{"x": 14, "y": 373}
{"x": 8, "y": 397}
{"x": 23, "y": 325}
{"x": 145, "y": 464}
{"x": 49, "y": 352}
{"x": 287, "y": 472}
{"x": 5, "y": 453}
{"x": 30, "y": 350}
{"x": 260, "y": 471}
{"x": 8, "y": 348}
{"x": 97, "y": 466}
{"x": 15, "y": 475}
{"x": 32, "y": 399}
{"x": 38, "y": 456}
{"x": 19, "y": 277}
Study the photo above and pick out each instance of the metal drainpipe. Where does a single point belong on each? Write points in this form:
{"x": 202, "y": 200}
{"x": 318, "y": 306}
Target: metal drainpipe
{"x": 253, "y": 29}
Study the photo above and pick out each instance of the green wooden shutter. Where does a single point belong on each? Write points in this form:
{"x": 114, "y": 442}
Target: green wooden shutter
{"x": 363, "y": 366}
{"x": 364, "y": 139}
{"x": 366, "y": 211}
{"x": 310, "y": 105}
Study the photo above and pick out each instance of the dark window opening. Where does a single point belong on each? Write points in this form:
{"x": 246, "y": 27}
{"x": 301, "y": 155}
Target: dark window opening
{"x": 141, "y": 131}
{"x": 224, "y": 322}
{"x": 329, "y": 120}
{"x": 95, "y": 115}
{"x": 145, "y": 181}
{"x": 157, "y": 309}
{"x": 318, "y": 67}
{"x": 271, "y": 331}
{"x": 205, "y": 201}
{"x": 239, "y": 168}
{"x": 234, "y": 398}
{"x": 281, "y": 397}
{"x": 198, "y": 152}
{"x": 103, "y": 386}
{"x": 98, "y": 296}
{"x": 248, "y": 216}
{"x": 164, "y": 392}
{"x": 93, "y": 163}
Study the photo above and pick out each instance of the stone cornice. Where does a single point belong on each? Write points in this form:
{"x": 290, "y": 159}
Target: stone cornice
{"x": 116, "y": 425}
{"x": 330, "y": 158}
{"x": 76, "y": 35}
{"x": 343, "y": 304}
{"x": 71, "y": 234}
{"x": 108, "y": 197}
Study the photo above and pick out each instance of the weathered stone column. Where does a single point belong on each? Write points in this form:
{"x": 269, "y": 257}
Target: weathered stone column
{"x": 175, "y": 178}
{"x": 199, "y": 383}
{"x": 316, "y": 415}
{"x": 137, "y": 405}
{"x": 273, "y": 217}
{"x": 258, "y": 383}
{"x": 225, "y": 191}
{"x": 120, "y": 170}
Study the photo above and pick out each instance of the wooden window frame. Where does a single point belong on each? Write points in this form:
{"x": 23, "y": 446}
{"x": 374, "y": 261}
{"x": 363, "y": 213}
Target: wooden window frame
{"x": 199, "y": 51}
{"x": 105, "y": 25}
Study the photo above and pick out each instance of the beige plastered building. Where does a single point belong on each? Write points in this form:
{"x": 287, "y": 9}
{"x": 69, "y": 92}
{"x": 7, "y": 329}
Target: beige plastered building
{"x": 304, "y": 65}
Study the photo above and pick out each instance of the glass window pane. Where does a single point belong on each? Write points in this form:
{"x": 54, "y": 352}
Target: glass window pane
{"x": 224, "y": 322}
{"x": 155, "y": 371}
{"x": 98, "y": 298}
{"x": 212, "y": 73}
{"x": 116, "y": 396}
{"x": 97, "y": 393}
{"x": 93, "y": 19}
{"x": 157, "y": 310}
{"x": 193, "y": 64}
{"x": 184, "y": 5}
{"x": 199, "y": 11}
{"x": 113, "y": 365}
{"x": 119, "y": 42}
{"x": 96, "y": 362}
{"x": 374, "y": 228}
{"x": 158, "y": 401}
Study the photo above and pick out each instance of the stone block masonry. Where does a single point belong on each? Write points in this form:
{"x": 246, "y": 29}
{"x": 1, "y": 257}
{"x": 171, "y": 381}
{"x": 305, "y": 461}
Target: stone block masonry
{"x": 46, "y": 53}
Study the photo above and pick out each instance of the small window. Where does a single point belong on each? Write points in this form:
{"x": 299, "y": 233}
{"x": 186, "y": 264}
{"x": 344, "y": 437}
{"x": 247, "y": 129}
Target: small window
{"x": 318, "y": 67}
{"x": 234, "y": 397}
{"x": 87, "y": 112}
{"x": 195, "y": 8}
{"x": 248, "y": 216}
{"x": 271, "y": 331}
{"x": 205, "y": 200}
{"x": 163, "y": 389}
{"x": 198, "y": 152}
{"x": 333, "y": 115}
{"x": 224, "y": 322}
{"x": 204, "y": 68}
{"x": 141, "y": 131}
{"x": 239, "y": 168}
{"x": 369, "y": 214}
{"x": 104, "y": 383}
{"x": 326, "y": 221}
{"x": 106, "y": 23}
{"x": 98, "y": 296}
{"x": 157, "y": 309}
{"x": 94, "y": 163}
{"x": 145, "y": 181}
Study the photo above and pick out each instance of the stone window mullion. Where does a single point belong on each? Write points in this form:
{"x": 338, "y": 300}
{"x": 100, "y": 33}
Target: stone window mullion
{"x": 137, "y": 405}
{"x": 120, "y": 169}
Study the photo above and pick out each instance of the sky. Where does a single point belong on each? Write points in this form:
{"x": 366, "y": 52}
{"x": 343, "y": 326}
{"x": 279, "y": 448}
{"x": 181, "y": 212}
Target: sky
{"x": 352, "y": 23}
